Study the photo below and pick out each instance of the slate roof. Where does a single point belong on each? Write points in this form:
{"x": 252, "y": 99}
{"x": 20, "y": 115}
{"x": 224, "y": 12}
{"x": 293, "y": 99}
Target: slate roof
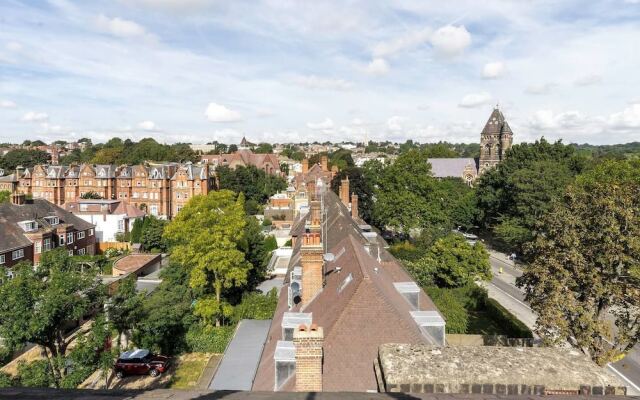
{"x": 451, "y": 167}
{"x": 245, "y": 157}
{"x": 496, "y": 124}
{"x": 12, "y": 236}
{"x": 357, "y": 315}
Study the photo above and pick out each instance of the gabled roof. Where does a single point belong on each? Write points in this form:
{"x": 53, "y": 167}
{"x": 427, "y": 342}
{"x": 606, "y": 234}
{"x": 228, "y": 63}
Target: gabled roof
{"x": 359, "y": 307}
{"x": 496, "y": 124}
{"x": 12, "y": 235}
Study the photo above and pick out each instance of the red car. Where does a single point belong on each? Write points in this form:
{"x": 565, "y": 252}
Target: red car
{"x": 140, "y": 362}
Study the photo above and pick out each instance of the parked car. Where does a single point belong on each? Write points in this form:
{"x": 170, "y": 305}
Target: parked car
{"x": 140, "y": 362}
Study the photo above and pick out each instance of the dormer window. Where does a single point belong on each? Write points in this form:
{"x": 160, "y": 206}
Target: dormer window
{"x": 292, "y": 320}
{"x": 102, "y": 173}
{"x": 52, "y": 220}
{"x": 285, "y": 362}
{"x": 410, "y": 291}
{"x": 431, "y": 324}
{"x": 29, "y": 226}
{"x": 52, "y": 174}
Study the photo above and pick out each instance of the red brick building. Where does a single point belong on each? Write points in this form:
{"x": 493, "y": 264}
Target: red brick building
{"x": 29, "y": 228}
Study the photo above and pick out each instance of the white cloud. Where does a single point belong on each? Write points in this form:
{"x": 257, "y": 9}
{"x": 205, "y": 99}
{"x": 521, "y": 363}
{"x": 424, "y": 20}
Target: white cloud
{"x": 378, "y": 66}
{"x": 323, "y": 125}
{"x": 405, "y": 42}
{"x": 493, "y": 70}
{"x": 541, "y": 89}
{"x": 7, "y": 104}
{"x": 588, "y": 80}
{"x": 14, "y": 46}
{"x": 475, "y": 100}
{"x": 219, "y": 113}
{"x": 395, "y": 123}
{"x": 173, "y": 5}
{"x": 33, "y": 116}
{"x": 315, "y": 82}
{"x": 547, "y": 119}
{"x": 451, "y": 41}
{"x": 122, "y": 28}
{"x": 147, "y": 125}
{"x": 629, "y": 118}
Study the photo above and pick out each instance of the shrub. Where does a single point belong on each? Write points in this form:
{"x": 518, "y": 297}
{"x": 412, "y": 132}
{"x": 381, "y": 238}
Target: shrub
{"x": 451, "y": 307}
{"x": 6, "y": 380}
{"x": 513, "y": 326}
{"x": 35, "y": 374}
{"x": 209, "y": 339}
{"x": 256, "y": 306}
{"x": 266, "y": 222}
{"x": 406, "y": 251}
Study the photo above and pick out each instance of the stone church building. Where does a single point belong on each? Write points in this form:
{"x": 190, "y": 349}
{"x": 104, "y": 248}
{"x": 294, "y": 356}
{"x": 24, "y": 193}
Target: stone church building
{"x": 496, "y": 138}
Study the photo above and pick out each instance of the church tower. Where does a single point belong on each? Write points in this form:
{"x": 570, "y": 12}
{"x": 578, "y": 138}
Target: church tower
{"x": 495, "y": 140}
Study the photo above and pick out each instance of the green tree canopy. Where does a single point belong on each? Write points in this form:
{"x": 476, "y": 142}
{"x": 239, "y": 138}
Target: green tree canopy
{"x": 23, "y": 157}
{"x": 256, "y": 184}
{"x": 583, "y": 279}
{"x": 205, "y": 237}
{"x": 359, "y": 185}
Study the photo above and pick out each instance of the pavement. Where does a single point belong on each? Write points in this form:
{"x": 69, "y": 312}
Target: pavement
{"x": 502, "y": 288}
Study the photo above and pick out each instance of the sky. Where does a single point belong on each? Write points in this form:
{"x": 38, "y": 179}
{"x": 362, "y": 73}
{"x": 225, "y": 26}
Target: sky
{"x": 293, "y": 71}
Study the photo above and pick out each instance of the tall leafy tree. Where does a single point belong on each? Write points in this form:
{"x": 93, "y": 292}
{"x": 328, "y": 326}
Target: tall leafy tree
{"x": 206, "y": 236}
{"x": 125, "y": 308}
{"x": 36, "y": 306}
{"x": 359, "y": 185}
{"x": 26, "y": 158}
{"x": 583, "y": 279}
{"x": 151, "y": 235}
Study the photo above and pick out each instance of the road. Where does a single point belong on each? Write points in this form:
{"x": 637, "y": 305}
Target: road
{"x": 502, "y": 288}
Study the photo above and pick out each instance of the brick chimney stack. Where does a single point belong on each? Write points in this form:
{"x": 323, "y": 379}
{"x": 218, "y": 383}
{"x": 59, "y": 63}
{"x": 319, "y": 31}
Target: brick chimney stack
{"x": 324, "y": 163}
{"x": 344, "y": 191}
{"x": 308, "y": 344}
{"x": 17, "y": 199}
{"x": 305, "y": 166}
{"x": 354, "y": 206}
{"x": 311, "y": 253}
{"x": 315, "y": 217}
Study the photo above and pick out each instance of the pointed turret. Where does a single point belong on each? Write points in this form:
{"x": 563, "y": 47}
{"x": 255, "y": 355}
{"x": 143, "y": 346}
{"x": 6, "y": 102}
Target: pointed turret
{"x": 495, "y": 140}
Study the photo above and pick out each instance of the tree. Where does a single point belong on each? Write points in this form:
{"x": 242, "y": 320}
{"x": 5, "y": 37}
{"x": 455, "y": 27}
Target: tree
{"x": 257, "y": 249}
{"x": 264, "y": 148}
{"x": 515, "y": 194}
{"x": 256, "y": 184}
{"x": 358, "y": 185}
{"x": 90, "y": 195}
{"x": 452, "y": 262}
{"x": 5, "y": 196}
{"x": 151, "y": 236}
{"x": 36, "y": 306}
{"x": 136, "y": 230}
{"x": 125, "y": 308}
{"x": 26, "y": 158}
{"x": 584, "y": 265}
{"x": 205, "y": 238}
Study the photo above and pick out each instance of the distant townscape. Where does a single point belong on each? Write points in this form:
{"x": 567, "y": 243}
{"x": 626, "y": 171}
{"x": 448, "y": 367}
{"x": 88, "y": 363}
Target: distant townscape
{"x": 421, "y": 268}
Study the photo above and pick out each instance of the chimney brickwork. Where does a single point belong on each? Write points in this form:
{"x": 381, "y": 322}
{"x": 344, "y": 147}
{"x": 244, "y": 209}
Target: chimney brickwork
{"x": 305, "y": 166}
{"x": 308, "y": 344}
{"x": 324, "y": 163}
{"x": 315, "y": 217}
{"x": 344, "y": 191}
{"x": 354, "y": 206}
{"x": 312, "y": 266}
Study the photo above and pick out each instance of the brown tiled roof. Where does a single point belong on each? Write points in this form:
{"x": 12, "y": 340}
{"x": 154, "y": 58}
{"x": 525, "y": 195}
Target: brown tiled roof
{"x": 357, "y": 316}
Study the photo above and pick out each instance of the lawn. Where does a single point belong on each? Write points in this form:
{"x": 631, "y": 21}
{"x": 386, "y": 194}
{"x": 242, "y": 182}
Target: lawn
{"x": 188, "y": 370}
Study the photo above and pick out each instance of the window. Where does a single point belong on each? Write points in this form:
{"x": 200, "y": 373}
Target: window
{"x": 69, "y": 237}
{"x": 80, "y": 235}
{"x": 121, "y": 225}
{"x": 81, "y": 252}
{"x": 91, "y": 232}
{"x": 61, "y": 240}
{"x": 47, "y": 244}
{"x": 53, "y": 220}
{"x": 2, "y": 259}
{"x": 37, "y": 247}
{"x": 29, "y": 226}
{"x": 17, "y": 254}
{"x": 285, "y": 362}
{"x": 154, "y": 210}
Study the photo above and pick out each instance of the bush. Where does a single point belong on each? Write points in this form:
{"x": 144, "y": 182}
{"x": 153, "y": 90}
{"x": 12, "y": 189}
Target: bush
{"x": 123, "y": 236}
{"x": 451, "y": 307}
{"x": 203, "y": 339}
{"x": 256, "y": 306}
{"x": 35, "y": 374}
{"x": 406, "y": 251}
{"x": 266, "y": 222}
{"x": 512, "y": 325}
{"x": 6, "y": 380}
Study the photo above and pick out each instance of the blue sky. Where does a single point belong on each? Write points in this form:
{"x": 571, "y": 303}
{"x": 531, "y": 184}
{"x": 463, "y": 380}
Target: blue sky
{"x": 290, "y": 71}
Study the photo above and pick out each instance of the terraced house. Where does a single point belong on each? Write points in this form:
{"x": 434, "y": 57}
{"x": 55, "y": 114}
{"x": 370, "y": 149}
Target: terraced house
{"x": 31, "y": 227}
{"x": 160, "y": 189}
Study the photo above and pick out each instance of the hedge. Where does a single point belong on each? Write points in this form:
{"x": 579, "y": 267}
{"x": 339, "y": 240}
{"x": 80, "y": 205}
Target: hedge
{"x": 512, "y": 325}
{"x": 452, "y": 309}
{"x": 203, "y": 339}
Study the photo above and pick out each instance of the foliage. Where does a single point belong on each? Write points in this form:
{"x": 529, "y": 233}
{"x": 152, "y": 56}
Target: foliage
{"x": 263, "y": 148}
{"x": 166, "y": 314}
{"x": 209, "y": 339}
{"x": 35, "y": 374}
{"x": 256, "y": 184}
{"x": 26, "y": 158}
{"x": 519, "y": 191}
{"x": 90, "y": 195}
{"x": 267, "y": 222}
{"x": 5, "y": 196}
{"x": 151, "y": 236}
{"x": 37, "y": 310}
{"x": 125, "y": 307}
{"x": 257, "y": 248}
{"x": 87, "y": 353}
{"x": 256, "y": 305}
{"x": 358, "y": 185}
{"x": 452, "y": 262}
{"x": 6, "y": 380}
{"x": 406, "y": 251}
{"x": 136, "y": 231}
{"x": 452, "y": 309}
{"x": 513, "y": 327}
{"x": 206, "y": 238}
{"x": 123, "y": 237}
{"x": 584, "y": 257}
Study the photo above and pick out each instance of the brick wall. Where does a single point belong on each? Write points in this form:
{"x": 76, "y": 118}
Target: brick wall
{"x": 312, "y": 262}
{"x": 308, "y": 343}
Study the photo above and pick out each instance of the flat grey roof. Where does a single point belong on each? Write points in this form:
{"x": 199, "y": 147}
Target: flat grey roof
{"x": 240, "y": 362}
